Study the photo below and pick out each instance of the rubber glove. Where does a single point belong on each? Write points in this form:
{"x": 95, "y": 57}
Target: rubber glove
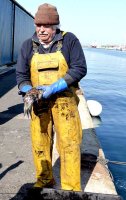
{"x": 54, "y": 88}
{"x": 26, "y": 88}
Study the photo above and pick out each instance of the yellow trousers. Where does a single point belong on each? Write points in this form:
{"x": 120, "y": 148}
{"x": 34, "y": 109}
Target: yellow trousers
{"x": 63, "y": 113}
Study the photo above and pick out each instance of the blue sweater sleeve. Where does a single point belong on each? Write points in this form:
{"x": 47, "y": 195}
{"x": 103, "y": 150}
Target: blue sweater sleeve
{"x": 23, "y": 64}
{"x": 77, "y": 62}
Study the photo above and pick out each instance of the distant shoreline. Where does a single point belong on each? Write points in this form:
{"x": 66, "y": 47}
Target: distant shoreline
{"x": 119, "y": 48}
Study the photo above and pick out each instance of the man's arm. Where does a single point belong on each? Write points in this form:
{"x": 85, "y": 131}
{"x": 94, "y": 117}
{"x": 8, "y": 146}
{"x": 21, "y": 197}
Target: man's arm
{"x": 22, "y": 66}
{"x": 77, "y": 63}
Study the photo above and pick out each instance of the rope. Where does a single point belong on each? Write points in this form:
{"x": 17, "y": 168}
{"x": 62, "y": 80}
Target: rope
{"x": 104, "y": 161}
{"x": 90, "y": 158}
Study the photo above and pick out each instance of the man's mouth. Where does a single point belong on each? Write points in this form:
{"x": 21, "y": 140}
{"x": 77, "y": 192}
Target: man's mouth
{"x": 43, "y": 34}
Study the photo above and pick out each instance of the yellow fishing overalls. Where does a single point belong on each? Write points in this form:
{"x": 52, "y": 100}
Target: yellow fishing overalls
{"x": 60, "y": 110}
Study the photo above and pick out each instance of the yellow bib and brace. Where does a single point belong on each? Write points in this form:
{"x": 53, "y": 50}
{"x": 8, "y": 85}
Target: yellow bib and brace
{"x": 61, "y": 110}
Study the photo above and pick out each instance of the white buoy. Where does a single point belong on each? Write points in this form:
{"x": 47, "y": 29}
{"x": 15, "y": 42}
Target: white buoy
{"x": 95, "y": 108}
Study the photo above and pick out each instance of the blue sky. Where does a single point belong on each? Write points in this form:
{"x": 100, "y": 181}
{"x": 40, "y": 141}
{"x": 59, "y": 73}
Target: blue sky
{"x": 92, "y": 21}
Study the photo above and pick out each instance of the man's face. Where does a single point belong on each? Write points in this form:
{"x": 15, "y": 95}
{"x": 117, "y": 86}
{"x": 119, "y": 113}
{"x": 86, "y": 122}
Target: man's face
{"x": 45, "y": 33}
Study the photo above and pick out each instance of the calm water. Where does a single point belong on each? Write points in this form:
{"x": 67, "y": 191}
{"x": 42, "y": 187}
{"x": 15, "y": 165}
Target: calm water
{"x": 106, "y": 83}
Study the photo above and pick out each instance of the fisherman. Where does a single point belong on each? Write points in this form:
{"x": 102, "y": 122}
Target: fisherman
{"x": 52, "y": 61}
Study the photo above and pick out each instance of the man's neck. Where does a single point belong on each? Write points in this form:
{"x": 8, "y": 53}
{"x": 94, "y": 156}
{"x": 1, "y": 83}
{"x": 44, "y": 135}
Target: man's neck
{"x": 46, "y": 45}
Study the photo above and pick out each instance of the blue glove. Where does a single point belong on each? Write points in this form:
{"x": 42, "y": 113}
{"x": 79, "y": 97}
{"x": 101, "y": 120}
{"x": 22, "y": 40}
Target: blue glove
{"x": 26, "y": 88}
{"x": 56, "y": 87}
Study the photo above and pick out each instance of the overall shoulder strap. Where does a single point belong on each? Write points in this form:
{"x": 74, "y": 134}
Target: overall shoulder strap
{"x": 35, "y": 47}
{"x": 59, "y": 44}
{"x": 63, "y": 33}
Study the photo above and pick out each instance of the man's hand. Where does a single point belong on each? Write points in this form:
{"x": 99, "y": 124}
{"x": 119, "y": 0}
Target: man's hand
{"x": 25, "y": 88}
{"x": 54, "y": 88}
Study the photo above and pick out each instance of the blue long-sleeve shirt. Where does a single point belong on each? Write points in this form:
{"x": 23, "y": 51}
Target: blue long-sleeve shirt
{"x": 71, "y": 49}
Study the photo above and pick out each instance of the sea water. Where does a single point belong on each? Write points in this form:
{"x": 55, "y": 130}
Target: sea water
{"x": 106, "y": 82}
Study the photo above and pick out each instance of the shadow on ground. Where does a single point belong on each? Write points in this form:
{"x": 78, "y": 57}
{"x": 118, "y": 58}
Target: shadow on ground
{"x": 10, "y": 168}
{"x": 24, "y": 192}
{"x": 8, "y": 82}
{"x": 10, "y": 113}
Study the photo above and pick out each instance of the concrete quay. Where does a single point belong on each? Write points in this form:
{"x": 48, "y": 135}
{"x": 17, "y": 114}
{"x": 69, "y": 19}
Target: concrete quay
{"x": 17, "y": 172}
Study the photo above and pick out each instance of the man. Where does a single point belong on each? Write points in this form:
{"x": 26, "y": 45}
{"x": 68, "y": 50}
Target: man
{"x": 53, "y": 61}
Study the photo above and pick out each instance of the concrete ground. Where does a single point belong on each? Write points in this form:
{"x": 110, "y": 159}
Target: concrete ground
{"x": 17, "y": 172}
{"x": 17, "y": 169}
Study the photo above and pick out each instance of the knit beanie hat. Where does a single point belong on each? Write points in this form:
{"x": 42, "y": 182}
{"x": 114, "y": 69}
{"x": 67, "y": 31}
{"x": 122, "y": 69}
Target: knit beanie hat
{"x": 47, "y": 14}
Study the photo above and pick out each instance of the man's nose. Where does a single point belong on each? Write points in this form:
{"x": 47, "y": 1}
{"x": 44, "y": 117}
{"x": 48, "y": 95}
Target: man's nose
{"x": 42, "y": 28}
